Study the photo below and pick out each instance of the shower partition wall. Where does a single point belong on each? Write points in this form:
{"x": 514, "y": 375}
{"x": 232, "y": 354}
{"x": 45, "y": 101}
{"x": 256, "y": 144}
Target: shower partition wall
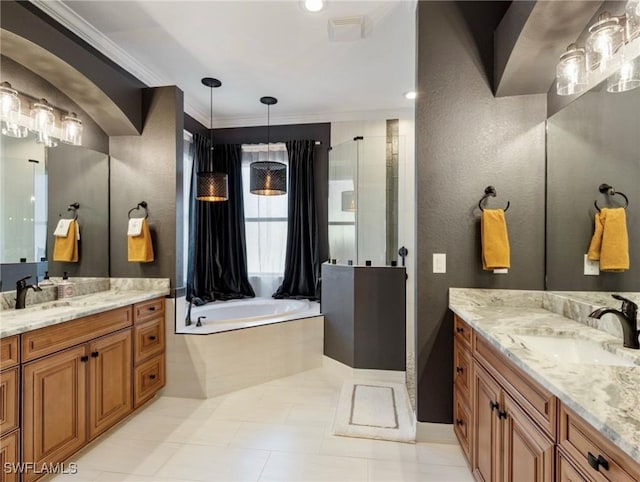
{"x": 363, "y": 199}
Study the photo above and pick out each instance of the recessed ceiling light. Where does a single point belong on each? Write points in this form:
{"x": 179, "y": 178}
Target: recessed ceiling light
{"x": 314, "y": 5}
{"x": 410, "y": 95}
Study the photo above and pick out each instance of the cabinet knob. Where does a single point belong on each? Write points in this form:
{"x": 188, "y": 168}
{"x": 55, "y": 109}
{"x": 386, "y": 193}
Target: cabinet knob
{"x": 459, "y": 329}
{"x": 502, "y": 414}
{"x": 459, "y": 421}
{"x": 94, "y": 354}
{"x": 152, "y": 376}
{"x": 152, "y": 337}
{"x": 459, "y": 369}
{"x": 494, "y": 405}
{"x": 84, "y": 358}
{"x": 597, "y": 462}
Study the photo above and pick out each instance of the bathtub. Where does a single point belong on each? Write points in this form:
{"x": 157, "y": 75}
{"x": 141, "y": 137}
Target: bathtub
{"x": 231, "y": 315}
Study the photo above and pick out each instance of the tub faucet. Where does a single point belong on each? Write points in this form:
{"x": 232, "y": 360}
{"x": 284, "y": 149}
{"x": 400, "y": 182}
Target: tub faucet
{"x": 21, "y": 292}
{"x": 193, "y": 301}
{"x": 627, "y": 315}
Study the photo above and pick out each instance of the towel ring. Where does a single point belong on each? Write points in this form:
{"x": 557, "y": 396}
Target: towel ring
{"x": 490, "y": 191}
{"x": 607, "y": 189}
{"x": 141, "y": 204}
{"x": 74, "y": 207}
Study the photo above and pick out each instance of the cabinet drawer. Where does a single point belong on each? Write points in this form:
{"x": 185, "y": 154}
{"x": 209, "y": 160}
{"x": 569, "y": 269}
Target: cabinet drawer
{"x": 462, "y": 331}
{"x": 9, "y": 449}
{"x": 9, "y": 352}
{"x": 566, "y": 472}
{"x": 584, "y": 445}
{"x": 148, "y": 339}
{"x": 462, "y": 369}
{"x": 9, "y": 400}
{"x": 51, "y": 339}
{"x": 149, "y": 377}
{"x": 148, "y": 309}
{"x": 462, "y": 423}
{"x": 539, "y": 403}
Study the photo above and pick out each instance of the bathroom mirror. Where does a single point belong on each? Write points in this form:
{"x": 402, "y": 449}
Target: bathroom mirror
{"x": 37, "y": 184}
{"x": 593, "y": 140}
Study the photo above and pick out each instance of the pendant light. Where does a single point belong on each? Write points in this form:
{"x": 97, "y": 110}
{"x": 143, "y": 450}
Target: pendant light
{"x": 212, "y": 186}
{"x": 268, "y": 178}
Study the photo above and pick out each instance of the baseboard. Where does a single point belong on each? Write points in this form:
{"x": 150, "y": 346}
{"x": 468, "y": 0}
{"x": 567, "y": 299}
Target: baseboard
{"x": 439, "y": 433}
{"x": 346, "y": 371}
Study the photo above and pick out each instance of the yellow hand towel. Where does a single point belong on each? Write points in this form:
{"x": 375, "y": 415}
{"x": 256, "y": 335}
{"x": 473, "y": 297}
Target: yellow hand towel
{"x": 610, "y": 242}
{"x": 496, "y": 253}
{"x": 65, "y": 248}
{"x": 140, "y": 247}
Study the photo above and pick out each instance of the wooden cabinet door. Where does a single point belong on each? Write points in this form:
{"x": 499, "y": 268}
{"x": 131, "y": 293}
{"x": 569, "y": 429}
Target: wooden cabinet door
{"x": 9, "y": 445}
{"x": 110, "y": 389}
{"x": 527, "y": 453}
{"x": 54, "y": 407}
{"x": 487, "y": 398}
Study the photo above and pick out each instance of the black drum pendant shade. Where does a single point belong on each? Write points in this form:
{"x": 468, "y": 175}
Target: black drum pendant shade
{"x": 212, "y": 186}
{"x": 268, "y": 178}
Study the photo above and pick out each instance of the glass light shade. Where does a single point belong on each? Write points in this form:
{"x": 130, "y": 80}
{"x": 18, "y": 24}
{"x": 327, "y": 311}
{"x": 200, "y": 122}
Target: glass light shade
{"x": 212, "y": 186}
{"x": 268, "y": 178}
{"x": 10, "y": 104}
{"x": 71, "y": 130}
{"x": 14, "y": 130}
{"x": 349, "y": 201}
{"x": 627, "y": 77}
{"x": 606, "y": 36}
{"x": 571, "y": 72}
{"x": 632, "y": 26}
{"x": 42, "y": 118}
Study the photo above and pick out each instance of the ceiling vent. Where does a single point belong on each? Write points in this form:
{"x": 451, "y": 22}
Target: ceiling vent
{"x": 346, "y": 29}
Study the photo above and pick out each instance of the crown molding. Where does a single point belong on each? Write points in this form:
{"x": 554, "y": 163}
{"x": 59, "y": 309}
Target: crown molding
{"x": 69, "y": 19}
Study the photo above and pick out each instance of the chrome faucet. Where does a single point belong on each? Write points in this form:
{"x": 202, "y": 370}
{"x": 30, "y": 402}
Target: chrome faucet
{"x": 627, "y": 315}
{"x": 21, "y": 292}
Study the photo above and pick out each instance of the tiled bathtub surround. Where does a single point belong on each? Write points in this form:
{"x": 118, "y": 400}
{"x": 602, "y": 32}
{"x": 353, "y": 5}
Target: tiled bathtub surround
{"x": 607, "y": 396}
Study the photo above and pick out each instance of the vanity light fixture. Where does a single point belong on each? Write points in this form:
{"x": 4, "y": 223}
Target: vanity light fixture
{"x": 268, "y": 178}
{"x": 606, "y": 36}
{"x": 71, "y": 130}
{"x": 571, "y": 71}
{"x": 212, "y": 186}
{"x": 43, "y": 122}
{"x": 632, "y": 27}
{"x": 11, "y": 112}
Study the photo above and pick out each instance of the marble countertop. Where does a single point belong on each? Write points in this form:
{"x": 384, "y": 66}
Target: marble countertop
{"x": 14, "y": 322}
{"x": 606, "y": 396}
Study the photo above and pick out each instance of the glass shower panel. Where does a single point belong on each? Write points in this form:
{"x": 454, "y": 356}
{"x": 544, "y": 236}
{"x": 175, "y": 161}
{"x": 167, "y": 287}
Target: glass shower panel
{"x": 343, "y": 201}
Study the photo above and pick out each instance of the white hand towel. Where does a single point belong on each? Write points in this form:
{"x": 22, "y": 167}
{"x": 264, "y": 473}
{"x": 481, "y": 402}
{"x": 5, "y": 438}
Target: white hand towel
{"x": 62, "y": 229}
{"x": 135, "y": 227}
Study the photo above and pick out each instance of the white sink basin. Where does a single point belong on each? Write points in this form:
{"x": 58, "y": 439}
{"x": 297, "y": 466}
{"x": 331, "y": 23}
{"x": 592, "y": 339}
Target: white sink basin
{"x": 572, "y": 350}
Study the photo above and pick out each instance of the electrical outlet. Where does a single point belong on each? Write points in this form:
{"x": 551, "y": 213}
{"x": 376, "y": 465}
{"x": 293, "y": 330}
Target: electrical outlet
{"x": 591, "y": 268}
{"x": 501, "y": 271}
{"x": 439, "y": 263}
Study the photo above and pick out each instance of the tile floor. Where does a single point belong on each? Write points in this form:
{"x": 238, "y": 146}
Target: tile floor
{"x": 278, "y": 431}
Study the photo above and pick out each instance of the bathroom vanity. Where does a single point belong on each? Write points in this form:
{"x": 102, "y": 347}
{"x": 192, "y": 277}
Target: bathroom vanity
{"x": 71, "y": 369}
{"x": 525, "y": 409}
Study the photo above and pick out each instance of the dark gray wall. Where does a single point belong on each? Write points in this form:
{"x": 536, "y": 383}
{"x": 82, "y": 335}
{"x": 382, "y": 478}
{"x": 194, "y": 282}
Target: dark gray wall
{"x": 149, "y": 168}
{"x": 76, "y": 174}
{"x": 29, "y": 22}
{"x": 591, "y": 141}
{"x": 466, "y": 139}
{"x": 319, "y": 132}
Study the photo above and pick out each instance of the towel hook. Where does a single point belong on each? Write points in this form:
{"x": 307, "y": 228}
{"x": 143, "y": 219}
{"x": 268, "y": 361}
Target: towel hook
{"x": 490, "y": 191}
{"x": 74, "y": 207}
{"x": 609, "y": 190}
{"x": 141, "y": 204}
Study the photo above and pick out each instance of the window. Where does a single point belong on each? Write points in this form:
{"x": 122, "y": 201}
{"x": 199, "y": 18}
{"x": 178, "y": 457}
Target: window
{"x": 265, "y": 223}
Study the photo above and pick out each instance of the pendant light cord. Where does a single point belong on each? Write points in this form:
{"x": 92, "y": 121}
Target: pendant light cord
{"x": 211, "y": 126}
{"x": 268, "y": 129}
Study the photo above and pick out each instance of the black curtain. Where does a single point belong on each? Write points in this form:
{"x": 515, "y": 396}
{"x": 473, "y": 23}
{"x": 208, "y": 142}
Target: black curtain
{"x": 217, "y": 265}
{"x": 302, "y": 262}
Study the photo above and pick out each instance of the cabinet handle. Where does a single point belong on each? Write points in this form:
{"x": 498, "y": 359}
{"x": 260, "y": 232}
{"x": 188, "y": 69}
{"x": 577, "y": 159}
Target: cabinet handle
{"x": 152, "y": 376}
{"x": 152, "y": 337}
{"x": 84, "y": 358}
{"x": 598, "y": 462}
{"x": 459, "y": 369}
{"x": 459, "y": 329}
{"x": 94, "y": 354}
{"x": 152, "y": 308}
{"x": 502, "y": 414}
{"x": 459, "y": 421}
{"x": 494, "y": 405}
